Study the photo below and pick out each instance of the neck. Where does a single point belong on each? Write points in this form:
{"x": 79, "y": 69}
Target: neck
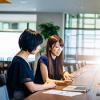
{"x": 23, "y": 54}
{"x": 53, "y": 56}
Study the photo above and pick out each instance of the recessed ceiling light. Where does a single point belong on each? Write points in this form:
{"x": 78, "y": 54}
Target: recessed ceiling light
{"x": 23, "y": 1}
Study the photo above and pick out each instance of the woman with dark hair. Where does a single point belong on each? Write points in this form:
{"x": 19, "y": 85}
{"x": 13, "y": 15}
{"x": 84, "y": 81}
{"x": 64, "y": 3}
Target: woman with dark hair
{"x": 20, "y": 77}
{"x": 50, "y": 66}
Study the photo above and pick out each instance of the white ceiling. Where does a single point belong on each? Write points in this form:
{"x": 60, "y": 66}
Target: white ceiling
{"x": 70, "y": 6}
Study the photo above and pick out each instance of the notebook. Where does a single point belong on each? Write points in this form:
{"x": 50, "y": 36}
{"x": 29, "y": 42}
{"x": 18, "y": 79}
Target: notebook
{"x": 76, "y": 88}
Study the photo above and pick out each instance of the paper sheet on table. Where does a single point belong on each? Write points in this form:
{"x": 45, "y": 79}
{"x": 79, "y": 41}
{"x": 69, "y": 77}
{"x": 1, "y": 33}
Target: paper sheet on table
{"x": 64, "y": 93}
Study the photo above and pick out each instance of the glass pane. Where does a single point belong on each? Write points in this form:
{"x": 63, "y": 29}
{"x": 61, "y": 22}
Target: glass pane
{"x": 89, "y": 21}
{"x": 89, "y": 15}
{"x": 80, "y": 31}
{"x": 86, "y": 32}
{"x": 88, "y": 52}
{"x": 81, "y": 15}
{"x": 72, "y": 43}
{"x": 97, "y": 37}
{"x": 74, "y": 23}
{"x": 22, "y": 26}
{"x": 80, "y": 23}
{"x": 67, "y": 20}
{"x": 97, "y": 44}
{"x": 88, "y": 40}
{"x": 80, "y": 41}
{"x": 0, "y": 26}
{"x": 70, "y": 32}
{"x": 89, "y": 26}
{"x": 97, "y": 23}
{"x": 14, "y": 26}
{"x": 65, "y": 51}
{"x": 88, "y": 45}
{"x": 80, "y": 51}
{"x": 97, "y": 16}
{"x": 6, "y": 26}
{"x": 89, "y": 36}
{"x": 71, "y": 51}
{"x": 97, "y": 52}
{"x": 97, "y": 32}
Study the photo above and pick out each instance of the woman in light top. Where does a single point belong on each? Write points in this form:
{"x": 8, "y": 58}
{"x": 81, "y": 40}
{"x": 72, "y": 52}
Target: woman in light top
{"x": 50, "y": 66}
{"x": 20, "y": 77}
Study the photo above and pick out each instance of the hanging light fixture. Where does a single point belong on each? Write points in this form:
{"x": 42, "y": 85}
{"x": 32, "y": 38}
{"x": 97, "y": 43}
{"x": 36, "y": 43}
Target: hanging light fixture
{"x": 4, "y": 1}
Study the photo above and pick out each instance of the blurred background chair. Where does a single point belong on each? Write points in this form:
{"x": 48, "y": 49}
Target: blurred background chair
{"x": 3, "y": 88}
{"x": 1, "y": 65}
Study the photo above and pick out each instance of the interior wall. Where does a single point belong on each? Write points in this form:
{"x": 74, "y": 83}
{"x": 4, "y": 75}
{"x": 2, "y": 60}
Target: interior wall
{"x": 56, "y": 18}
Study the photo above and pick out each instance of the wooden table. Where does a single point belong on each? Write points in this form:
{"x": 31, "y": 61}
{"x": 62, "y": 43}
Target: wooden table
{"x": 88, "y": 75}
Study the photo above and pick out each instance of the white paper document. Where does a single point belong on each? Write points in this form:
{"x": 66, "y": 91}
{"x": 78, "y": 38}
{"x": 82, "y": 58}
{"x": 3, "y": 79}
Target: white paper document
{"x": 64, "y": 93}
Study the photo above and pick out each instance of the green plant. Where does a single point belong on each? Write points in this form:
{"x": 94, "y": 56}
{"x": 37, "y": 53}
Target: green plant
{"x": 48, "y": 29}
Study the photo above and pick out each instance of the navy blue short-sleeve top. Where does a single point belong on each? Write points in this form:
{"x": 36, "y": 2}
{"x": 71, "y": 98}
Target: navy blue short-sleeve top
{"x": 19, "y": 73}
{"x": 38, "y": 76}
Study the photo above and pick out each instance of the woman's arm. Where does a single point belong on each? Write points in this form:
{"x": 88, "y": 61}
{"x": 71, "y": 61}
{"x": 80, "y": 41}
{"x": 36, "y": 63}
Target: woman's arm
{"x": 32, "y": 87}
{"x": 44, "y": 72}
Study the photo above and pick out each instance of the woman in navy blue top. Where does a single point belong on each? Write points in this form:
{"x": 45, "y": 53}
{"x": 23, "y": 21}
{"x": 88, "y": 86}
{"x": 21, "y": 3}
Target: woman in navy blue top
{"x": 20, "y": 77}
{"x": 50, "y": 66}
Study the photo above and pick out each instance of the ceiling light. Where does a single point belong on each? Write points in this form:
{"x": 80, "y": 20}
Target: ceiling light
{"x": 23, "y": 1}
{"x": 4, "y": 1}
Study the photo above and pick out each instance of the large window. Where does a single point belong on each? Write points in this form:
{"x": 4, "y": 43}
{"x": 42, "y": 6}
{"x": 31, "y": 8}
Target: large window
{"x": 82, "y": 32}
{"x": 9, "y": 35}
{"x": 17, "y": 26}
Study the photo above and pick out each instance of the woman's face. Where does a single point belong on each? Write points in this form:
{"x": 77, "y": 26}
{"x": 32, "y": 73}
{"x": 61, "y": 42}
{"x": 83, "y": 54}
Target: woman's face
{"x": 36, "y": 50}
{"x": 56, "y": 49}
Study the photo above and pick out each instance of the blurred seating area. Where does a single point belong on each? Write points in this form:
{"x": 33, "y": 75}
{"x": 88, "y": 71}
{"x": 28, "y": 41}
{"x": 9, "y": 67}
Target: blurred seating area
{"x": 71, "y": 67}
{"x": 5, "y": 63}
{"x": 3, "y": 88}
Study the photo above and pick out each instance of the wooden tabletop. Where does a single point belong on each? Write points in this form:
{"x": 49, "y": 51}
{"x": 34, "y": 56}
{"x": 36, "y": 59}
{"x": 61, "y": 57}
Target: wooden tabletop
{"x": 88, "y": 75}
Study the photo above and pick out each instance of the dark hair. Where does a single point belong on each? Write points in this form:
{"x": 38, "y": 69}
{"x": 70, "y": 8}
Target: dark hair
{"x": 29, "y": 40}
{"x": 59, "y": 60}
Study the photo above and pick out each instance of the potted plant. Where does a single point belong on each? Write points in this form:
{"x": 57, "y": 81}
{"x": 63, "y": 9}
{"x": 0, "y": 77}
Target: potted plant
{"x": 46, "y": 30}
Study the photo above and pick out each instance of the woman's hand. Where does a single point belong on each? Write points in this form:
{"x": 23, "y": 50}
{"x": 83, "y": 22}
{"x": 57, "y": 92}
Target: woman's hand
{"x": 63, "y": 82}
{"x": 67, "y": 76}
{"x": 68, "y": 82}
{"x": 49, "y": 84}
